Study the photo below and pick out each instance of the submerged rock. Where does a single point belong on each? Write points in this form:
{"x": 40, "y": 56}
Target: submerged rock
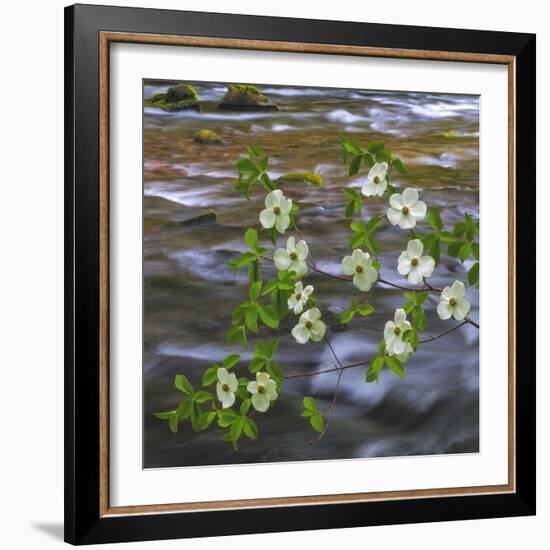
{"x": 178, "y": 98}
{"x": 208, "y": 137}
{"x": 208, "y": 217}
{"x": 244, "y": 97}
{"x": 311, "y": 178}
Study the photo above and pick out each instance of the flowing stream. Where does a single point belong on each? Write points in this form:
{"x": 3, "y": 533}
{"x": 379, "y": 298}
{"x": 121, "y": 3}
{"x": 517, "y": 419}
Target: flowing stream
{"x": 189, "y": 290}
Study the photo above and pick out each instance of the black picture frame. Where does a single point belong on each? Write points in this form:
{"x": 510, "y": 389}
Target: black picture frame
{"x": 84, "y": 524}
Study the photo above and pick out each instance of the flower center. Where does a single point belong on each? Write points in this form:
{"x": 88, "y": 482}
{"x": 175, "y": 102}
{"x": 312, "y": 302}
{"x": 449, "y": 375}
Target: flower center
{"x": 405, "y": 210}
{"x": 293, "y": 256}
{"x": 276, "y": 210}
{"x": 414, "y": 262}
{"x": 359, "y": 269}
{"x": 225, "y": 387}
{"x": 397, "y": 331}
{"x": 452, "y": 301}
{"x": 376, "y": 179}
{"x": 298, "y": 296}
{"x": 261, "y": 389}
{"x": 309, "y": 324}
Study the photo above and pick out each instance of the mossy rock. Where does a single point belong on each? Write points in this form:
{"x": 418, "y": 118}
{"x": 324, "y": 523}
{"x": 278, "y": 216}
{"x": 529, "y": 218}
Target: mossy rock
{"x": 311, "y": 178}
{"x": 207, "y": 217}
{"x": 177, "y": 98}
{"x": 244, "y": 97}
{"x": 208, "y": 137}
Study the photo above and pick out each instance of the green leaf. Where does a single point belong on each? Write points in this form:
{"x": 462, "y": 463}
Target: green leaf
{"x": 173, "y": 422}
{"x": 464, "y": 251}
{"x": 374, "y": 369}
{"x": 244, "y": 259}
{"x": 383, "y": 156}
{"x": 205, "y": 419}
{"x": 365, "y": 309}
{"x": 473, "y": 274}
{"x": 375, "y": 147}
{"x": 373, "y": 223}
{"x": 231, "y": 360}
{"x": 164, "y": 415}
{"x": 272, "y": 346}
{"x": 356, "y": 240}
{"x": 399, "y": 166}
{"x": 372, "y": 245}
{"x": 184, "y": 410}
{"x": 352, "y": 147}
{"x": 209, "y": 376}
{"x": 226, "y": 417}
{"x": 203, "y": 397}
{"x": 251, "y": 319}
{"x": 447, "y": 237}
{"x": 183, "y": 385}
{"x": 310, "y": 404}
{"x": 245, "y": 405}
{"x": 251, "y": 238}
{"x": 317, "y": 422}
{"x": 256, "y": 364}
{"x": 254, "y": 271}
{"x": 454, "y": 248}
{"x": 395, "y": 366}
{"x": 347, "y": 316}
{"x": 434, "y": 218}
{"x": 355, "y": 165}
{"x": 237, "y": 335}
{"x": 350, "y": 209}
{"x": 255, "y": 290}
{"x": 236, "y": 429}
{"x": 250, "y": 429}
{"x": 268, "y": 317}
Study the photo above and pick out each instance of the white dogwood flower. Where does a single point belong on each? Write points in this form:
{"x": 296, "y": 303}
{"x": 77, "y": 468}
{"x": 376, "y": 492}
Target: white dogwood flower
{"x": 393, "y": 334}
{"x": 263, "y": 390}
{"x": 359, "y": 264}
{"x": 376, "y": 180}
{"x": 405, "y": 209}
{"x": 299, "y": 297}
{"x": 277, "y": 211}
{"x": 293, "y": 258}
{"x": 453, "y": 303}
{"x": 309, "y": 326}
{"x": 412, "y": 264}
{"x": 226, "y": 387}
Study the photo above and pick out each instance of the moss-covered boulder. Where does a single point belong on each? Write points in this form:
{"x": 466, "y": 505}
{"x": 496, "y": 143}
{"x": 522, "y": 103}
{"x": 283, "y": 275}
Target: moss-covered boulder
{"x": 208, "y": 217}
{"x": 311, "y": 178}
{"x": 208, "y": 137}
{"x": 244, "y": 97}
{"x": 181, "y": 97}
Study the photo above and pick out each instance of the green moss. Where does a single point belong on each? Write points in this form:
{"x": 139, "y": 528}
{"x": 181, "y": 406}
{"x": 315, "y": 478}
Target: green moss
{"x": 207, "y": 137}
{"x": 451, "y": 134}
{"x": 177, "y": 98}
{"x": 245, "y": 97}
{"x": 311, "y": 178}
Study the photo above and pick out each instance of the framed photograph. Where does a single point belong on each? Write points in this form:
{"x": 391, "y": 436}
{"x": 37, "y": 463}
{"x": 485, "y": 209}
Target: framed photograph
{"x": 299, "y": 274}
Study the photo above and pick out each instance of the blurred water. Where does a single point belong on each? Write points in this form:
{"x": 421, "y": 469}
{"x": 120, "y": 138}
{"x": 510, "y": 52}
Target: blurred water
{"x": 190, "y": 291}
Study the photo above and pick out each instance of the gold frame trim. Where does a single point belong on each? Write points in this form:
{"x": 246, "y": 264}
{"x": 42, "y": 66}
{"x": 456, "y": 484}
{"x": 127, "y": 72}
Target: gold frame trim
{"x": 105, "y": 39}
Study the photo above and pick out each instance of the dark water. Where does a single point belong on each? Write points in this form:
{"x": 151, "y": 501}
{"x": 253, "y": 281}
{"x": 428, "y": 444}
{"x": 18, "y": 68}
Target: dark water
{"x": 190, "y": 291}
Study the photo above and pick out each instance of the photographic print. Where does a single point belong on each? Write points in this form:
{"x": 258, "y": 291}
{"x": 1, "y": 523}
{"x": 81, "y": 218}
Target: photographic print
{"x": 311, "y": 273}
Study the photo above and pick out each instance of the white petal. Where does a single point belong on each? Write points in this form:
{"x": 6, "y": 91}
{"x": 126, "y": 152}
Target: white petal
{"x": 318, "y": 331}
{"x": 389, "y": 327}
{"x": 271, "y": 390}
{"x": 267, "y": 218}
{"x": 232, "y": 382}
{"x": 260, "y": 402}
{"x": 407, "y": 222}
{"x": 394, "y": 215}
{"x": 291, "y": 302}
{"x": 273, "y": 199}
{"x": 379, "y": 169}
{"x": 409, "y": 197}
{"x": 252, "y": 387}
{"x": 220, "y": 391}
{"x": 286, "y": 205}
{"x": 396, "y": 201}
{"x": 291, "y": 244}
{"x": 418, "y": 210}
{"x": 444, "y": 310}
{"x": 228, "y": 400}
{"x": 223, "y": 375}
{"x": 461, "y": 309}
{"x": 415, "y": 248}
{"x": 298, "y": 287}
{"x": 262, "y": 377}
{"x": 399, "y": 316}
{"x": 399, "y": 346}
{"x": 348, "y": 266}
{"x": 426, "y": 266}
{"x": 298, "y": 308}
{"x": 300, "y": 333}
{"x": 312, "y": 315}
{"x": 381, "y": 187}
{"x": 403, "y": 264}
{"x": 369, "y": 189}
{"x": 282, "y": 223}
{"x": 447, "y": 293}
{"x": 281, "y": 259}
{"x": 359, "y": 256}
{"x": 371, "y": 274}
{"x": 307, "y": 291}
{"x": 415, "y": 277}
{"x": 458, "y": 289}
{"x": 302, "y": 250}
{"x": 299, "y": 267}
{"x": 362, "y": 282}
